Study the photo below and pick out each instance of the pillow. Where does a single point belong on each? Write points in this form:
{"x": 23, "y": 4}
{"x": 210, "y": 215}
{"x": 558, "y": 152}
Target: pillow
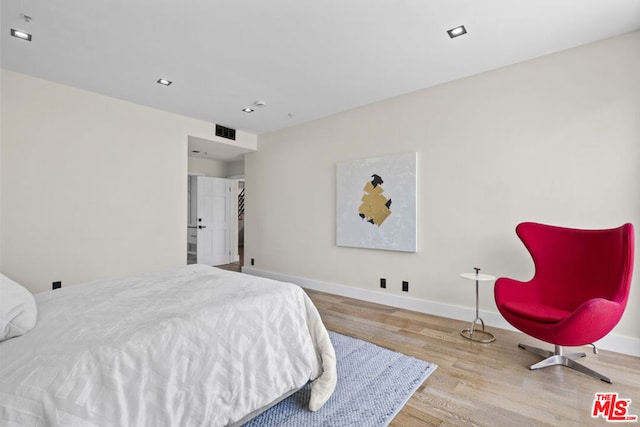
{"x": 18, "y": 311}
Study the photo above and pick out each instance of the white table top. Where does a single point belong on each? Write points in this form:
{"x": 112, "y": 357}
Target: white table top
{"x": 479, "y": 276}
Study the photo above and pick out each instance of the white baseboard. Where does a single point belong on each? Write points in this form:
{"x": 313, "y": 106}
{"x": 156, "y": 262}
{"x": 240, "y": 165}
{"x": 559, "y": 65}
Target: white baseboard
{"x": 612, "y": 342}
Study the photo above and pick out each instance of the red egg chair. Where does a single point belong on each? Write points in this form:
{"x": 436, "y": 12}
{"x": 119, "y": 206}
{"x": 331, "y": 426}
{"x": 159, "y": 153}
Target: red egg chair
{"x": 578, "y": 293}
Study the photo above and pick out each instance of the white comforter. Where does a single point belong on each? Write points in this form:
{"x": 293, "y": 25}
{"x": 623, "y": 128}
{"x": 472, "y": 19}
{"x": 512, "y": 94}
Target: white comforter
{"x": 190, "y": 346}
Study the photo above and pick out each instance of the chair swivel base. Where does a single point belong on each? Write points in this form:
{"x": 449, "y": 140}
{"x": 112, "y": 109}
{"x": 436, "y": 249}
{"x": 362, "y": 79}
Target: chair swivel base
{"x": 558, "y": 358}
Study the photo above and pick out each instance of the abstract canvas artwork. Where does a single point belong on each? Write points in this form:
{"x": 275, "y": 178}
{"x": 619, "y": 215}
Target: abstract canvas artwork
{"x": 376, "y": 203}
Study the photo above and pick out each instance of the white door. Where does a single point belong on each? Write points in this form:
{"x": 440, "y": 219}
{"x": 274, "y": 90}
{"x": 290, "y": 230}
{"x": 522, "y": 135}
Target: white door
{"x": 214, "y": 220}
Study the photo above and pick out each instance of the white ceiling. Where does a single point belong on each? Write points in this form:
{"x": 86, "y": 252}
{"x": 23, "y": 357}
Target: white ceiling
{"x": 306, "y": 59}
{"x": 206, "y": 149}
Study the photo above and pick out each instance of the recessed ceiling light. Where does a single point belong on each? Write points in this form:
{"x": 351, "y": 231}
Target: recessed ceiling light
{"x": 457, "y": 31}
{"x": 248, "y": 110}
{"x": 164, "y": 82}
{"x": 21, "y": 34}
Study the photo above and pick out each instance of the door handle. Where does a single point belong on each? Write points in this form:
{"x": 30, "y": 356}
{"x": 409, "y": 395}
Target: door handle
{"x": 202, "y": 226}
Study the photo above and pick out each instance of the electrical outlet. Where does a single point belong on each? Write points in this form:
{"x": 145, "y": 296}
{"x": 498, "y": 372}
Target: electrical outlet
{"x": 405, "y": 286}
{"x": 56, "y": 285}
{"x": 383, "y": 282}
{"x": 253, "y": 261}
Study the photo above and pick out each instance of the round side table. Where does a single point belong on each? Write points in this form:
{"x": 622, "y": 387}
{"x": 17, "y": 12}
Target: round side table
{"x": 471, "y": 333}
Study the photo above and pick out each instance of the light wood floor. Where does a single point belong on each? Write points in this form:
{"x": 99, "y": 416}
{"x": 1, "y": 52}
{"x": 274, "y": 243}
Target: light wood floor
{"x": 482, "y": 384}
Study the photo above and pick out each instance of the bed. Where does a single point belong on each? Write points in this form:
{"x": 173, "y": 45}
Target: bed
{"x": 188, "y": 346}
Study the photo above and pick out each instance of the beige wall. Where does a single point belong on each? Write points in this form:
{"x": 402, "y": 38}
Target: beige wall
{"x": 235, "y": 169}
{"x": 554, "y": 140}
{"x": 216, "y": 168}
{"x": 208, "y": 167}
{"x": 92, "y": 187}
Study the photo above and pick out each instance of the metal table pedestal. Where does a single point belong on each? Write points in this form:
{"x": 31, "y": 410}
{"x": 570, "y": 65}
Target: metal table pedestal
{"x": 472, "y": 333}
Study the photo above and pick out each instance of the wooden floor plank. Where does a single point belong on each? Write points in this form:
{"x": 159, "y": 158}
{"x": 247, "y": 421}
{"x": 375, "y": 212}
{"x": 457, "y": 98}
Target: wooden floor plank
{"x": 481, "y": 384}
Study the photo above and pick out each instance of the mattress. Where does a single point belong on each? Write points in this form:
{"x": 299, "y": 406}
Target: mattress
{"x": 188, "y": 346}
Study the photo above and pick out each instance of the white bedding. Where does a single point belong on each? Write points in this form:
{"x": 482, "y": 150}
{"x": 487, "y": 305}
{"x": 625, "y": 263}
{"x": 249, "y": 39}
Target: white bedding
{"x": 185, "y": 347}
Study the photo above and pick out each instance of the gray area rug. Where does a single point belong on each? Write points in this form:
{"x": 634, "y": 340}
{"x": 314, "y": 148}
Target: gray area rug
{"x": 373, "y": 385}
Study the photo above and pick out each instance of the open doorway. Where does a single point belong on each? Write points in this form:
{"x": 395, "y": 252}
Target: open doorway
{"x": 215, "y": 228}
{"x": 241, "y": 208}
{"x": 238, "y": 242}
{"x": 217, "y": 160}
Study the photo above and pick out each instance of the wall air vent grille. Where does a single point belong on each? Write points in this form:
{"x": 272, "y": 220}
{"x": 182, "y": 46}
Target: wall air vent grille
{"x": 225, "y": 132}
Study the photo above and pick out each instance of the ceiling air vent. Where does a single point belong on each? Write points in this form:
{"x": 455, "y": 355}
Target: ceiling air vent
{"x": 225, "y": 132}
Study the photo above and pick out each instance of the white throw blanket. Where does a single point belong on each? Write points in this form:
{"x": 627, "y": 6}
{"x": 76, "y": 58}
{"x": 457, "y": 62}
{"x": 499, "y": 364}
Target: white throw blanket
{"x": 185, "y": 347}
